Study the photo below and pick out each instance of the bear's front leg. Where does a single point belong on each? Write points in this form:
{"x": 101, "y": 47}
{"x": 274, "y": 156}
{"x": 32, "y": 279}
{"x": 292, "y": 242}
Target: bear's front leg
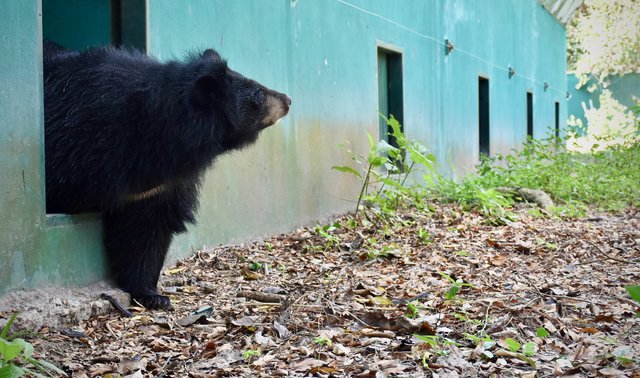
{"x": 137, "y": 236}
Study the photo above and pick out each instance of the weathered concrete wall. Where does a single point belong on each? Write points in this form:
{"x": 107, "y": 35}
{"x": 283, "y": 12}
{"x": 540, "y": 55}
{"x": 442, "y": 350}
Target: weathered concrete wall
{"x": 323, "y": 53}
{"x": 21, "y": 141}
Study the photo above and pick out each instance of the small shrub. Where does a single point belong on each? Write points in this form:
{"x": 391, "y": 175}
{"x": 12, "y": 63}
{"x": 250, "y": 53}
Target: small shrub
{"x": 17, "y": 358}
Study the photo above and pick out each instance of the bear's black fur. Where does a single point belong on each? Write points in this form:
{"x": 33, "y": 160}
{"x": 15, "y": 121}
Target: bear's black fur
{"x": 130, "y": 137}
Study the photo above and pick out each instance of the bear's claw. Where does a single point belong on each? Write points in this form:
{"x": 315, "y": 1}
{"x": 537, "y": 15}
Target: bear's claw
{"x": 154, "y": 301}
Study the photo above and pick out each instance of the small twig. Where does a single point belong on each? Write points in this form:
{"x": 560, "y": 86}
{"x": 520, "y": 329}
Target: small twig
{"x": 359, "y": 320}
{"x": 540, "y": 293}
{"x": 117, "y": 305}
{"x": 486, "y": 318}
{"x": 110, "y": 330}
{"x": 602, "y": 253}
{"x": 365, "y": 184}
{"x": 261, "y": 297}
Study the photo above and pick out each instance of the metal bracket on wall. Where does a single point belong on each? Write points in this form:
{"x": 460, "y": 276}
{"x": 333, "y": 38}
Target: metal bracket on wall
{"x": 448, "y": 47}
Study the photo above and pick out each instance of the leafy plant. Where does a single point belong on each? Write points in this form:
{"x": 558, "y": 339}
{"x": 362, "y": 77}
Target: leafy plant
{"x": 413, "y": 309}
{"x": 512, "y": 344}
{"x": 477, "y": 339}
{"x": 604, "y": 178}
{"x": 17, "y": 353}
{"x": 424, "y": 236}
{"x": 607, "y": 179}
{"x": 542, "y": 332}
{"x": 250, "y": 354}
{"x": 384, "y": 251}
{"x": 529, "y": 348}
{"x": 255, "y": 266}
{"x": 384, "y": 173}
{"x": 602, "y": 41}
{"x": 437, "y": 343}
{"x": 456, "y": 286}
{"x": 634, "y": 293}
{"x": 322, "y": 341}
{"x": 326, "y": 233}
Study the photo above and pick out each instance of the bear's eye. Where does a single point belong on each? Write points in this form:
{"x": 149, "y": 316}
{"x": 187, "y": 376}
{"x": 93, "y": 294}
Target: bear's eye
{"x": 258, "y": 96}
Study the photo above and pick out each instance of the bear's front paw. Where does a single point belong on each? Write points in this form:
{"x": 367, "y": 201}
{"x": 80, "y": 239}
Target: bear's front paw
{"x": 154, "y": 301}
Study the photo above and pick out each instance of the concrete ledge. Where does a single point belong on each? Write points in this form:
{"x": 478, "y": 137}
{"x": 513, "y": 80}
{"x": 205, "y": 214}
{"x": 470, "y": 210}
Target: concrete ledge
{"x": 57, "y": 307}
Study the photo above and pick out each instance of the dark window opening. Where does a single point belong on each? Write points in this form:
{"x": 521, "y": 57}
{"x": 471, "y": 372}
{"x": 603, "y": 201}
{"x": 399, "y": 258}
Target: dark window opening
{"x": 390, "y": 99}
{"x": 529, "y": 115}
{"x": 483, "y": 116}
{"x": 557, "y": 120}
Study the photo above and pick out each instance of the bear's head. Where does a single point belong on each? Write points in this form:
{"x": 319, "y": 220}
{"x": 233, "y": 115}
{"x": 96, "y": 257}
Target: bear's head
{"x": 240, "y": 106}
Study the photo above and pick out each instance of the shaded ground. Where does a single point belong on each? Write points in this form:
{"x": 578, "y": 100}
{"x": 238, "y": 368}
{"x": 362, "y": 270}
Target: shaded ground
{"x": 333, "y": 303}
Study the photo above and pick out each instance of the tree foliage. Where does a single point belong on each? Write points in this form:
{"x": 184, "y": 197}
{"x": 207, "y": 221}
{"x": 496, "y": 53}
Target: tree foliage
{"x": 603, "y": 39}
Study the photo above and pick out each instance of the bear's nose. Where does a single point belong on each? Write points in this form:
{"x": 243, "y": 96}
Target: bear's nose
{"x": 287, "y": 99}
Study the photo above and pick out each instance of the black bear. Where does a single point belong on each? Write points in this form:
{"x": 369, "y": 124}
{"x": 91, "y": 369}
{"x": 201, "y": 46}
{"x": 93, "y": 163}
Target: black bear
{"x": 130, "y": 137}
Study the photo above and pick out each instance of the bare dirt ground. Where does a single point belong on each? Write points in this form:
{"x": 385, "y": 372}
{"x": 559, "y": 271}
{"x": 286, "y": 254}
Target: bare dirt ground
{"x": 436, "y": 294}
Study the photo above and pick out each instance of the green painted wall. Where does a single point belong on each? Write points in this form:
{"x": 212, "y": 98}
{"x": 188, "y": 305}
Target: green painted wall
{"x": 21, "y": 138}
{"x": 35, "y": 249}
{"x": 323, "y": 53}
{"x": 624, "y": 89}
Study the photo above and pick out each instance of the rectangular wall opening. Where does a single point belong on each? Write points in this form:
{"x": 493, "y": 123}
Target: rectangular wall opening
{"x": 390, "y": 99}
{"x": 81, "y": 24}
{"x": 529, "y": 115}
{"x": 483, "y": 116}
{"x": 557, "y": 120}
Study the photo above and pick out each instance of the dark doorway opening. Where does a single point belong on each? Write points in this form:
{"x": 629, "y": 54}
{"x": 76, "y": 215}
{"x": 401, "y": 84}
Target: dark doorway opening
{"x": 529, "y": 115}
{"x": 80, "y": 24}
{"x": 390, "y": 98}
{"x": 483, "y": 116}
{"x": 557, "y": 120}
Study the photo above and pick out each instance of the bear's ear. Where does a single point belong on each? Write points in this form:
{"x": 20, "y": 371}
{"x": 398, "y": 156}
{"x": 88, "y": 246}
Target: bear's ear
{"x": 211, "y": 54}
{"x": 204, "y": 91}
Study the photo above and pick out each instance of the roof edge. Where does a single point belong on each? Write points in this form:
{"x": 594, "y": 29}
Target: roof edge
{"x": 562, "y": 10}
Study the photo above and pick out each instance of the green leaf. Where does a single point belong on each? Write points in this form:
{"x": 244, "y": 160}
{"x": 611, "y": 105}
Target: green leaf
{"x": 634, "y": 292}
{"x": 383, "y": 148}
{"x": 372, "y": 142}
{"x": 624, "y": 360}
{"x": 5, "y": 330}
{"x": 10, "y": 350}
{"x": 513, "y": 345}
{"x": 529, "y": 349}
{"x": 448, "y": 277}
{"x": 27, "y": 348}
{"x": 419, "y": 158}
{"x": 429, "y": 339}
{"x": 453, "y": 290}
{"x": 390, "y": 182}
{"x": 377, "y": 161}
{"x": 345, "y": 169}
{"x": 11, "y": 371}
{"x": 45, "y": 366}
{"x": 542, "y": 332}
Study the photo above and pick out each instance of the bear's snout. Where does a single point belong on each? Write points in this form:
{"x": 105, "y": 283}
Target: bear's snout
{"x": 277, "y": 107}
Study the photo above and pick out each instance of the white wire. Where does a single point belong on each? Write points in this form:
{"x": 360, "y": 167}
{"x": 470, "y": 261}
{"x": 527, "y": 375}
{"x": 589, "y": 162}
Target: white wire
{"x": 456, "y": 48}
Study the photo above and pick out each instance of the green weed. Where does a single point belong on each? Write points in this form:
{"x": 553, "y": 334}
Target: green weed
{"x": 607, "y": 179}
{"x": 384, "y": 174}
{"x": 17, "y": 358}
